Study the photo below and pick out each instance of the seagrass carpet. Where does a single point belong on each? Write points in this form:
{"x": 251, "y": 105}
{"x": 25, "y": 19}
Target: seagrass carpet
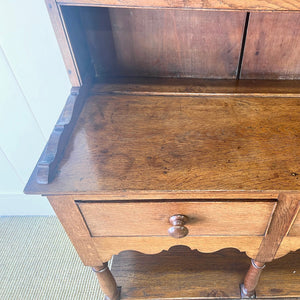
{"x": 37, "y": 261}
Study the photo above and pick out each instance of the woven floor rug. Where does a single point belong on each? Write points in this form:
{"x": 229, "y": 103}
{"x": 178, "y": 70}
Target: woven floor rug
{"x": 37, "y": 261}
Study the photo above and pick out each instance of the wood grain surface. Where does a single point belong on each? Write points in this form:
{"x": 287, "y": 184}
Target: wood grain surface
{"x": 152, "y": 218}
{"x": 282, "y": 220}
{"x": 251, "y": 280}
{"x": 64, "y": 43}
{"x": 177, "y": 43}
{"x": 180, "y": 274}
{"x": 73, "y": 223}
{"x": 205, "y": 4}
{"x": 287, "y": 245}
{"x": 295, "y": 229}
{"x": 74, "y": 29}
{"x": 156, "y": 143}
{"x": 109, "y": 246}
{"x": 185, "y": 274}
{"x": 272, "y": 46}
{"x": 99, "y": 39}
{"x": 197, "y": 87}
{"x": 54, "y": 150}
{"x": 107, "y": 282}
{"x": 163, "y": 138}
{"x": 176, "y": 195}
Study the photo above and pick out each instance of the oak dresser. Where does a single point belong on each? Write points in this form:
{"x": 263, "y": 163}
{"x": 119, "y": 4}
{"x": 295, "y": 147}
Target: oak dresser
{"x": 182, "y": 128}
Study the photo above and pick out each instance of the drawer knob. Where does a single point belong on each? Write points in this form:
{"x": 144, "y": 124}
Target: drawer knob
{"x": 178, "y": 230}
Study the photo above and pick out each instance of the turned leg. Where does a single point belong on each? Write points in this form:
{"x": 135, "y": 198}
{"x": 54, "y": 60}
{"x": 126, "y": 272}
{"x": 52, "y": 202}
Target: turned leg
{"x": 282, "y": 219}
{"x": 107, "y": 282}
{"x": 251, "y": 279}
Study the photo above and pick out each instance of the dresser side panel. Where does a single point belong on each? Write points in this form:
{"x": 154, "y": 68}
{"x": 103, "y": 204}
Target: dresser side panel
{"x": 64, "y": 42}
{"x": 74, "y": 225}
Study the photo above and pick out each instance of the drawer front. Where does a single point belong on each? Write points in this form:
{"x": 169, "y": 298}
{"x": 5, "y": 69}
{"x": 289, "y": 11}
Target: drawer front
{"x": 221, "y": 218}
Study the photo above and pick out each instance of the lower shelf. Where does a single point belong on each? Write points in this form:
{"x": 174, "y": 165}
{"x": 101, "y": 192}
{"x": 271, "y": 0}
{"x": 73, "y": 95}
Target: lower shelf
{"x": 181, "y": 273}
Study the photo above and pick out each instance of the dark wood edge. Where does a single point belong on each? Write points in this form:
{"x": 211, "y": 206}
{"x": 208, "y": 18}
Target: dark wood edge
{"x": 64, "y": 43}
{"x": 54, "y": 150}
{"x": 197, "y": 87}
{"x": 254, "y": 5}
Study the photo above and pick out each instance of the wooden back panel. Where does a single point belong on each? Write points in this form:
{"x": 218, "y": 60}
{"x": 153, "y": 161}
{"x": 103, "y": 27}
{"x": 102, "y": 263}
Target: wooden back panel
{"x": 177, "y": 43}
{"x": 121, "y": 41}
{"x": 272, "y": 46}
{"x": 99, "y": 38}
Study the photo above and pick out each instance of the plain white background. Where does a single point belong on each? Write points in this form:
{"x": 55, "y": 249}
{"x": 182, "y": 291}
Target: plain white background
{"x": 34, "y": 87}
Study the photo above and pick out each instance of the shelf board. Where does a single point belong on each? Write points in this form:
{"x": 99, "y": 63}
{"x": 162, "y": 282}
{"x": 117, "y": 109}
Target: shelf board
{"x": 267, "y": 5}
{"x": 131, "y": 142}
{"x": 181, "y": 273}
{"x": 149, "y": 86}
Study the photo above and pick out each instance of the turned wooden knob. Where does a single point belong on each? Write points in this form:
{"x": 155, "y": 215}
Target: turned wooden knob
{"x": 178, "y": 230}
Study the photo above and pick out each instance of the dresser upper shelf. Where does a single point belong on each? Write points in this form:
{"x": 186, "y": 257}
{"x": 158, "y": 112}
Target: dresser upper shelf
{"x": 254, "y": 5}
{"x": 177, "y": 139}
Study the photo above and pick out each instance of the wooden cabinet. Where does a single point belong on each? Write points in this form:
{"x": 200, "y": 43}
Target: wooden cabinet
{"x": 183, "y": 122}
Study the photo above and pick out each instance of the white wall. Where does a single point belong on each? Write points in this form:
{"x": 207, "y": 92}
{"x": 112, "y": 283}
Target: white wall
{"x": 33, "y": 89}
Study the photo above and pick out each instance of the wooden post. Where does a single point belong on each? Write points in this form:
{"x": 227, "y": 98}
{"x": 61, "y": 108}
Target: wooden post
{"x": 251, "y": 279}
{"x": 107, "y": 282}
{"x": 282, "y": 220}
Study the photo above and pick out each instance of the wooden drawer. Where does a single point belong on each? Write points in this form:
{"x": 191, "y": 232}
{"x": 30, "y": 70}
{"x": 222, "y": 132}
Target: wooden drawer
{"x": 137, "y": 218}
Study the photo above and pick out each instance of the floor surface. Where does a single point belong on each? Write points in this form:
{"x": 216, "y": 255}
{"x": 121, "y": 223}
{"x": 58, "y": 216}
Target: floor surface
{"x": 37, "y": 261}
